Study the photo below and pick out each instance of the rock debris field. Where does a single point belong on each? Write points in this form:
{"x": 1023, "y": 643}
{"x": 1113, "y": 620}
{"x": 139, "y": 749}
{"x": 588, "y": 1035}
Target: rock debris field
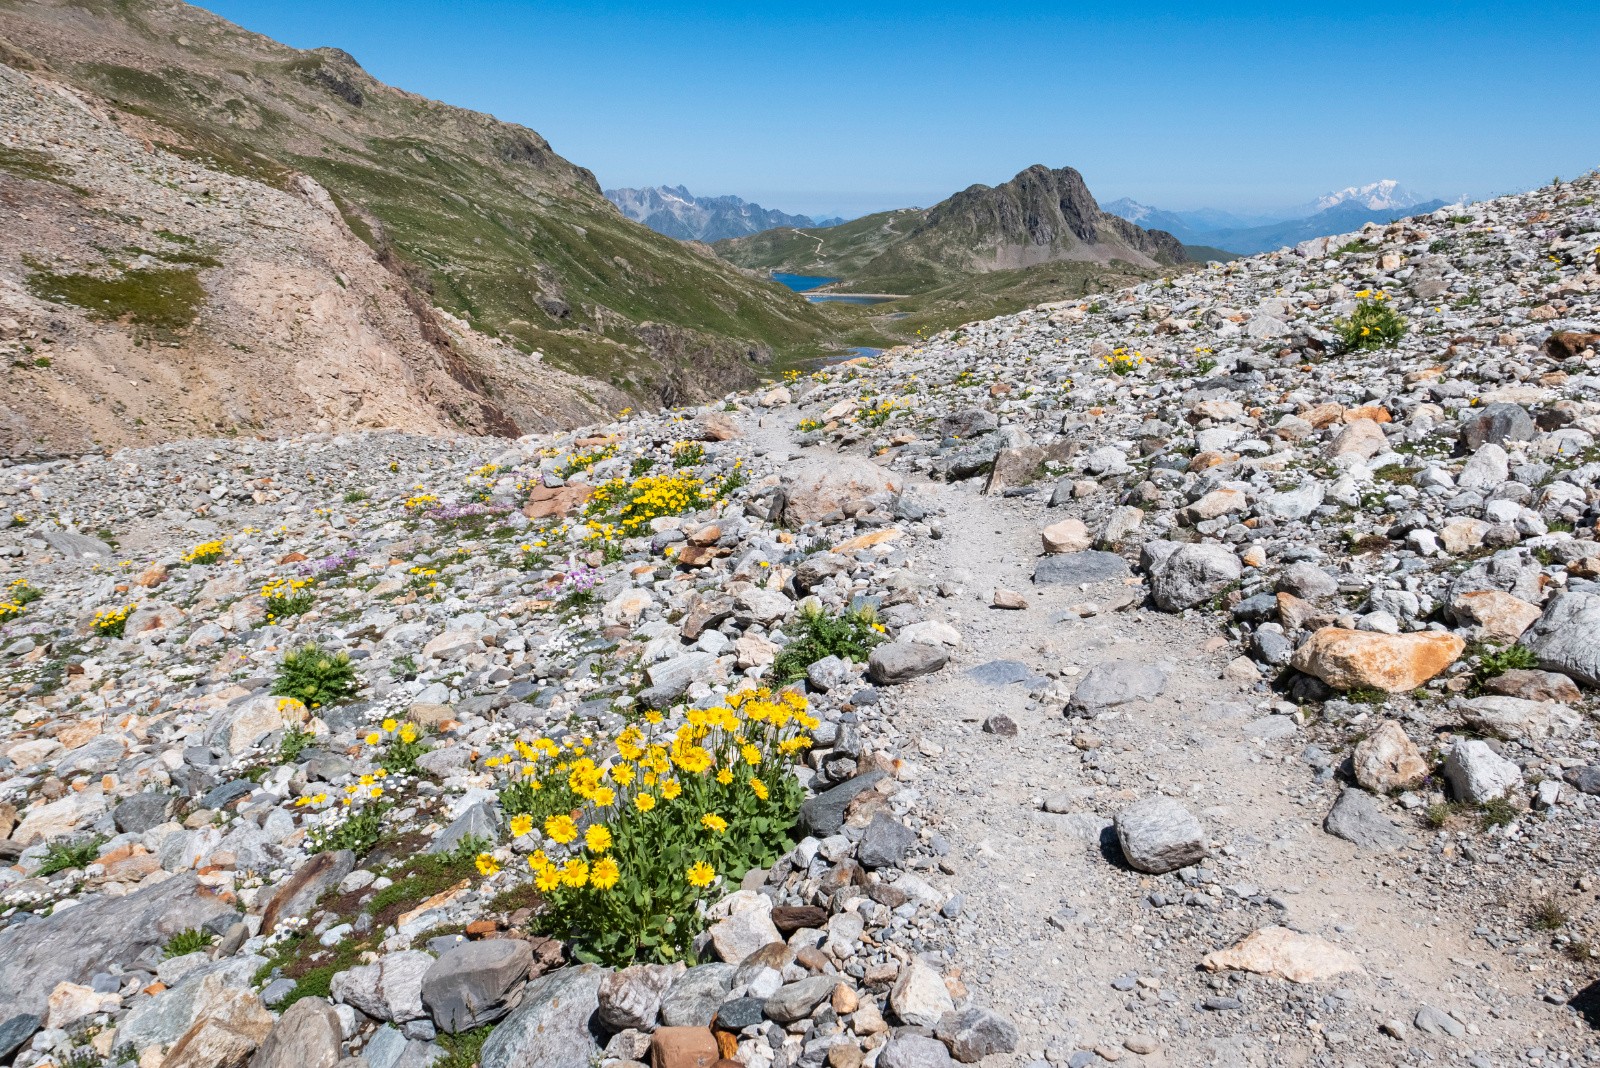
{"x": 1219, "y": 692}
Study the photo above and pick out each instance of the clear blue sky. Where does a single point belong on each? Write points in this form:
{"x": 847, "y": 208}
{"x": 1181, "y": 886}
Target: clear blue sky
{"x": 825, "y": 107}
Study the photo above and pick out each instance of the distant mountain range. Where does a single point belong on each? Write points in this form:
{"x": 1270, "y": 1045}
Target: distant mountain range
{"x": 980, "y": 252}
{"x": 1337, "y": 212}
{"x": 676, "y": 212}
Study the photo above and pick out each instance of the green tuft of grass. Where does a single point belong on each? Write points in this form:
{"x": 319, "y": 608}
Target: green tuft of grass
{"x": 191, "y": 940}
{"x": 80, "y": 853}
{"x": 1548, "y": 914}
{"x": 849, "y": 636}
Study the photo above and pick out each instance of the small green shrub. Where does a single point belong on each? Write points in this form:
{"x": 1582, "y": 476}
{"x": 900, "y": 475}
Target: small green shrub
{"x": 192, "y": 940}
{"x": 316, "y": 678}
{"x": 1495, "y": 662}
{"x": 1373, "y": 325}
{"x": 79, "y": 853}
{"x": 849, "y": 636}
{"x": 1496, "y": 812}
{"x": 1548, "y": 914}
{"x": 688, "y": 454}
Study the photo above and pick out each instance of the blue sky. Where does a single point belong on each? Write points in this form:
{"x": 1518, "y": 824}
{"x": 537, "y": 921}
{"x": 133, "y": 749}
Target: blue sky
{"x": 848, "y": 108}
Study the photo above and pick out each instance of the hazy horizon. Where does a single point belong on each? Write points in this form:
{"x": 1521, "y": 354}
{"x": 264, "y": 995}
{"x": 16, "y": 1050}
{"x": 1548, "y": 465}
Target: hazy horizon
{"x": 827, "y": 109}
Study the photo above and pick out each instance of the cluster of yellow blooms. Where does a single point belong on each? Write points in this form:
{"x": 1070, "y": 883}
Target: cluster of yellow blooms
{"x": 420, "y": 500}
{"x": 718, "y": 746}
{"x": 406, "y": 732}
{"x": 18, "y": 595}
{"x": 877, "y": 414}
{"x": 109, "y": 621}
{"x": 286, "y": 597}
{"x": 1122, "y": 362}
{"x": 650, "y": 497}
{"x": 207, "y": 552}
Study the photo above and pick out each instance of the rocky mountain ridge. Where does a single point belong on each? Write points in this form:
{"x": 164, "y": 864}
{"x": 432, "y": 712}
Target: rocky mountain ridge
{"x": 675, "y": 212}
{"x": 478, "y": 218}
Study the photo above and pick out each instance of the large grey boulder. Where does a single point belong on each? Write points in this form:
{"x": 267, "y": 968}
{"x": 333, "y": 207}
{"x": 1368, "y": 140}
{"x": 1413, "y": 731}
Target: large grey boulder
{"x": 218, "y": 990}
{"x": 885, "y": 843}
{"x": 556, "y": 1025}
{"x": 794, "y": 1001}
{"x": 479, "y": 820}
{"x": 1476, "y": 773}
{"x": 1159, "y": 835}
{"x": 1566, "y": 638}
{"x": 1193, "y": 574}
{"x": 306, "y": 1036}
{"x": 975, "y": 1033}
{"x": 390, "y": 988}
{"x": 692, "y": 999}
{"x": 911, "y": 1050}
{"x": 838, "y": 485}
{"x": 1495, "y": 423}
{"x": 1072, "y": 569}
{"x": 897, "y": 662}
{"x": 73, "y": 944}
{"x": 1116, "y": 682}
{"x": 476, "y": 983}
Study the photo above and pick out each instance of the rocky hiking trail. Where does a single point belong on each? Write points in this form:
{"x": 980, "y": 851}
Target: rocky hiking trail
{"x": 1227, "y": 697}
{"x": 1054, "y": 926}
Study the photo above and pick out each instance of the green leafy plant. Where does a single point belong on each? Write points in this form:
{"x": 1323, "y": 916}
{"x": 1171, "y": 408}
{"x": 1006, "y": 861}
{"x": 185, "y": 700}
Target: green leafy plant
{"x": 1493, "y": 663}
{"x": 190, "y": 940}
{"x": 1496, "y": 812}
{"x": 688, "y": 454}
{"x": 355, "y": 496}
{"x": 79, "y": 853}
{"x": 1373, "y": 325}
{"x": 1548, "y": 914}
{"x": 288, "y": 597}
{"x": 849, "y": 636}
{"x": 111, "y": 622}
{"x": 294, "y": 742}
{"x": 315, "y": 677}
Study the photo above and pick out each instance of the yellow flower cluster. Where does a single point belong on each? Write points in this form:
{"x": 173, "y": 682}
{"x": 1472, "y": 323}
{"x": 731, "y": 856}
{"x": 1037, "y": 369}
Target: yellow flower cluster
{"x": 207, "y": 552}
{"x": 421, "y": 500}
{"x": 877, "y": 414}
{"x": 110, "y": 621}
{"x": 635, "y": 503}
{"x": 406, "y": 732}
{"x": 1122, "y": 362}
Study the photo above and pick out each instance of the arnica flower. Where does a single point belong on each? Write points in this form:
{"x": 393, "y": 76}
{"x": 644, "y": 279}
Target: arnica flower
{"x": 604, "y": 797}
{"x": 487, "y": 865}
{"x": 700, "y": 874}
{"x": 671, "y": 789}
{"x": 725, "y": 776}
{"x": 561, "y": 828}
{"x": 644, "y": 802}
{"x": 521, "y": 825}
{"x": 575, "y": 873}
{"x": 389, "y": 725}
{"x": 603, "y": 876}
{"x": 408, "y": 734}
{"x": 713, "y": 822}
{"x": 374, "y": 738}
{"x": 597, "y": 838}
{"x": 758, "y": 787}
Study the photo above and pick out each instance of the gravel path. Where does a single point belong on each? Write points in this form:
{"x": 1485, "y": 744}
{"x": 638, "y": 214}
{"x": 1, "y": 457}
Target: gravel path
{"x": 1058, "y": 932}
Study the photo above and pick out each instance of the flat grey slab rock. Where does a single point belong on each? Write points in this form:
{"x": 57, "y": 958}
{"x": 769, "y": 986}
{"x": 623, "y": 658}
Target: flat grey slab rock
{"x": 1358, "y": 817}
{"x": 1071, "y": 569}
{"x": 75, "y": 943}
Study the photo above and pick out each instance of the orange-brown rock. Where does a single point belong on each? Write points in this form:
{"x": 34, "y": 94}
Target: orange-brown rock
{"x": 1322, "y": 415}
{"x": 1211, "y": 458}
{"x": 683, "y": 1047}
{"x": 1498, "y": 614}
{"x": 1374, "y": 412}
{"x": 1388, "y": 760}
{"x": 545, "y": 502}
{"x": 1368, "y": 660}
{"x": 699, "y": 555}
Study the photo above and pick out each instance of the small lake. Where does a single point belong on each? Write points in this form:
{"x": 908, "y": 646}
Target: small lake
{"x": 848, "y": 298}
{"x": 801, "y": 283}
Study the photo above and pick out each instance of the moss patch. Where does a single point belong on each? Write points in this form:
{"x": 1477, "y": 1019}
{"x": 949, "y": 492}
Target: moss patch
{"x": 158, "y": 298}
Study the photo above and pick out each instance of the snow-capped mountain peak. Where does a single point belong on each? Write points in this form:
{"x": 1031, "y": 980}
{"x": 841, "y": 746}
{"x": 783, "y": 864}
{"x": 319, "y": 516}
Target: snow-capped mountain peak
{"x": 1376, "y": 196}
